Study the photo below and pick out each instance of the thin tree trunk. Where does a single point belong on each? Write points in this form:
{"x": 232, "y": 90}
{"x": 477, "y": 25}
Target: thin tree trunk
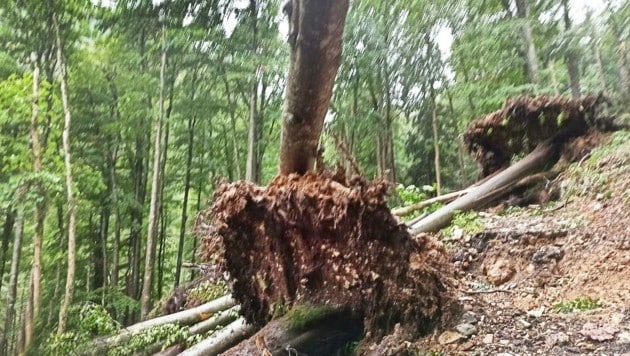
{"x": 13, "y": 278}
{"x": 145, "y": 300}
{"x": 571, "y": 59}
{"x": 63, "y": 311}
{"x": 624, "y": 73}
{"x": 40, "y": 215}
{"x": 7, "y": 230}
{"x": 252, "y": 134}
{"x": 316, "y": 45}
{"x": 189, "y": 156}
{"x": 522, "y": 11}
{"x": 436, "y": 148}
{"x": 601, "y": 76}
{"x": 163, "y": 215}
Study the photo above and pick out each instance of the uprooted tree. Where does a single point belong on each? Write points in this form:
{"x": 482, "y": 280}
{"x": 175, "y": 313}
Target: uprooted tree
{"x": 319, "y": 238}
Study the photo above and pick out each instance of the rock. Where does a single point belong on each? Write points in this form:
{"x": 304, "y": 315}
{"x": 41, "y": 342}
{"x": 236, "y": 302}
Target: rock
{"x": 524, "y": 323}
{"x": 467, "y": 346}
{"x": 466, "y": 329}
{"x": 623, "y": 338}
{"x": 469, "y": 317}
{"x": 559, "y": 338}
{"x": 504, "y": 354}
{"x": 504, "y": 342}
{"x": 488, "y": 339}
{"x": 449, "y": 337}
{"x": 547, "y": 254}
{"x": 598, "y": 333}
{"x": 536, "y": 313}
{"x": 500, "y": 272}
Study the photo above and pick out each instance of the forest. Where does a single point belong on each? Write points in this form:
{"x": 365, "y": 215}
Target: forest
{"x": 145, "y": 145}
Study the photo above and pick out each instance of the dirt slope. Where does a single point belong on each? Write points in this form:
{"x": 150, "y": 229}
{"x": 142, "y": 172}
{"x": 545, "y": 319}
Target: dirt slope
{"x": 516, "y": 274}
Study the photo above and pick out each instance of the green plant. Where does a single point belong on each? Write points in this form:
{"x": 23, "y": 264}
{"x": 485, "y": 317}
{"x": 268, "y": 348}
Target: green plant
{"x": 469, "y": 222}
{"x": 206, "y": 291}
{"x": 578, "y": 304}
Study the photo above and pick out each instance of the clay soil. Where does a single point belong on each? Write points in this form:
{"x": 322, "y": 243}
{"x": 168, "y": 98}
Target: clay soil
{"x": 526, "y": 261}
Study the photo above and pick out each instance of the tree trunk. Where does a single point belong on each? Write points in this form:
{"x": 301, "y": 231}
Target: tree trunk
{"x": 163, "y": 214}
{"x": 436, "y": 148}
{"x": 40, "y": 216}
{"x": 13, "y": 278}
{"x": 484, "y": 193}
{"x": 192, "y": 121}
{"x": 145, "y": 300}
{"x": 624, "y": 73}
{"x": 72, "y": 215}
{"x": 601, "y": 73}
{"x": 7, "y": 230}
{"x": 186, "y": 317}
{"x": 251, "y": 169}
{"x": 571, "y": 58}
{"x": 522, "y": 11}
{"x": 316, "y": 44}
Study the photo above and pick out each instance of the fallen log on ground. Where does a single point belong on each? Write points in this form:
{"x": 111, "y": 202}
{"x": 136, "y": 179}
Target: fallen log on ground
{"x": 221, "y": 318}
{"x": 489, "y": 190}
{"x": 186, "y": 317}
{"x": 222, "y": 339}
{"x": 406, "y": 210}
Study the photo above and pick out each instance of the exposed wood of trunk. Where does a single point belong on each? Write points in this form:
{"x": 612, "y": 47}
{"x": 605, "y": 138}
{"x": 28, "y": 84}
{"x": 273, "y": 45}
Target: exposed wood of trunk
{"x": 72, "y": 214}
{"x": 222, "y": 339}
{"x": 186, "y": 317}
{"x": 13, "y": 277}
{"x": 482, "y": 194}
{"x": 522, "y": 10}
{"x": 572, "y": 61}
{"x": 315, "y": 58}
{"x": 33, "y": 304}
{"x": 145, "y": 299}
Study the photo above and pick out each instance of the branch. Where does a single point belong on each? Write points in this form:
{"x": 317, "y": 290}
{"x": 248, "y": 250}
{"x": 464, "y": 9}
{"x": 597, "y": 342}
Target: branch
{"x": 423, "y": 204}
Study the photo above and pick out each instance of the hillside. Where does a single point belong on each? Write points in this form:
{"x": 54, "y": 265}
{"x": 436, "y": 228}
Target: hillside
{"x": 550, "y": 279}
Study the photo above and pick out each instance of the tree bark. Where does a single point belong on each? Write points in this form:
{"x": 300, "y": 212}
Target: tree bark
{"x": 316, "y": 45}
{"x": 145, "y": 300}
{"x": 34, "y": 295}
{"x": 222, "y": 339}
{"x": 484, "y": 193}
{"x": 624, "y": 73}
{"x": 13, "y": 277}
{"x": 72, "y": 215}
{"x": 7, "y": 230}
{"x": 253, "y": 135}
{"x": 571, "y": 59}
{"x": 522, "y": 11}
{"x": 436, "y": 148}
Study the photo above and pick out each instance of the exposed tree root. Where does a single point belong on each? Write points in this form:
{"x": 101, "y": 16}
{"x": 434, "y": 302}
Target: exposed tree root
{"x": 323, "y": 240}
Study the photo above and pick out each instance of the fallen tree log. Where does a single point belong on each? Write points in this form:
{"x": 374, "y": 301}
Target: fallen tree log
{"x": 221, "y": 318}
{"x": 186, "y": 317}
{"x": 222, "y": 339}
{"x": 491, "y": 189}
{"x": 406, "y": 210}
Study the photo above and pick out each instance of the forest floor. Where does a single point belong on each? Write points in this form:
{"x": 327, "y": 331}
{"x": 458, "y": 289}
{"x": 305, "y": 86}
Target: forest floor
{"x": 553, "y": 279}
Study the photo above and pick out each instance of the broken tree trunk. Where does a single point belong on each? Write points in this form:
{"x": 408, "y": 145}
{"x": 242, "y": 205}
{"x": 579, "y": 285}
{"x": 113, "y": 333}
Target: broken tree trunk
{"x": 488, "y": 191}
{"x": 186, "y": 317}
{"x": 406, "y": 210}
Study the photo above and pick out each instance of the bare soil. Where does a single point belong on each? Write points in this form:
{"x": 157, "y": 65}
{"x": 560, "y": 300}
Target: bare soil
{"x": 524, "y": 262}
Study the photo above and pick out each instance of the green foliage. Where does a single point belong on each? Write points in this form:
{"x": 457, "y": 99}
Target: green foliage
{"x": 470, "y": 222}
{"x": 87, "y": 321}
{"x": 578, "y": 304}
{"x": 168, "y": 334}
{"x": 206, "y": 291}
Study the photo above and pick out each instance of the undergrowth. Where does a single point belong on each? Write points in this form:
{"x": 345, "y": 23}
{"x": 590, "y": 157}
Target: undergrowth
{"x": 578, "y": 304}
